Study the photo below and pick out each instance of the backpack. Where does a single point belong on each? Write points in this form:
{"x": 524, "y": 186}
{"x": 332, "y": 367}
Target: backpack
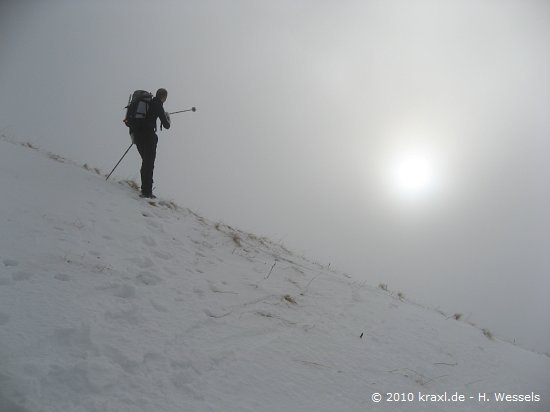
{"x": 138, "y": 106}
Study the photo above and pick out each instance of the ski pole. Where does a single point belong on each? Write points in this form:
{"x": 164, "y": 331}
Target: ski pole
{"x": 193, "y": 109}
{"x": 127, "y": 150}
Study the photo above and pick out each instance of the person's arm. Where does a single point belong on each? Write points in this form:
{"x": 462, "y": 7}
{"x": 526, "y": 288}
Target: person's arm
{"x": 164, "y": 119}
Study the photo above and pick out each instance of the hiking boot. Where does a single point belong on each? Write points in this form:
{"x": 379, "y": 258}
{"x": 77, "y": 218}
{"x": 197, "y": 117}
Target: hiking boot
{"x": 148, "y": 196}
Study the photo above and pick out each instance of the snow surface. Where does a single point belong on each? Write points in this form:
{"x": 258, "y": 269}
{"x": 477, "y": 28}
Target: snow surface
{"x": 109, "y": 302}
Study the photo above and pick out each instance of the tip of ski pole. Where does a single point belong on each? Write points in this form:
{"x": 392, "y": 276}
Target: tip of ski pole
{"x": 194, "y": 109}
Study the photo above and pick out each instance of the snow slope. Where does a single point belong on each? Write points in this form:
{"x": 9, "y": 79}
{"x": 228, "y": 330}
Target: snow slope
{"x": 111, "y": 303}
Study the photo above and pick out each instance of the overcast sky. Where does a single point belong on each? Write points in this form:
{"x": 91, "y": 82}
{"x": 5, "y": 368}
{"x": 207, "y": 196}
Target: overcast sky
{"x": 304, "y": 108}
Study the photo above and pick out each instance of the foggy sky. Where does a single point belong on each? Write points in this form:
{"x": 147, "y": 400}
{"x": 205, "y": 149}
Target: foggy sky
{"x": 300, "y": 106}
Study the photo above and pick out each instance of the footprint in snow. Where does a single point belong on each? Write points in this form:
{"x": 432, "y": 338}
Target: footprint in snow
{"x": 76, "y": 341}
{"x": 124, "y": 291}
{"x": 149, "y": 241}
{"x": 148, "y": 279}
{"x": 130, "y": 316}
{"x": 199, "y": 292}
{"x": 143, "y": 262}
{"x": 182, "y": 382}
{"x": 216, "y": 289}
{"x": 162, "y": 255}
{"x": 216, "y": 313}
{"x": 10, "y": 262}
{"x": 154, "y": 224}
{"x": 186, "y": 372}
{"x": 356, "y": 296}
{"x": 170, "y": 271}
{"x": 121, "y": 291}
{"x": 119, "y": 358}
{"x": 62, "y": 277}
{"x": 21, "y": 275}
{"x": 158, "y": 306}
{"x": 151, "y": 358}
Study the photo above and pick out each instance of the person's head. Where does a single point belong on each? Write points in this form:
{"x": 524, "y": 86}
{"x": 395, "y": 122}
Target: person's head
{"x": 162, "y": 94}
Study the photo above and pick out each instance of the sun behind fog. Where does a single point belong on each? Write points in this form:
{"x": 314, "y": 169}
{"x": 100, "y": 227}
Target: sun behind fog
{"x": 412, "y": 174}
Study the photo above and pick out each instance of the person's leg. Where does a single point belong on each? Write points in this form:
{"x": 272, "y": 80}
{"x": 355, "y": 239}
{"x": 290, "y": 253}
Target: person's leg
{"x": 148, "y": 155}
{"x": 140, "y": 141}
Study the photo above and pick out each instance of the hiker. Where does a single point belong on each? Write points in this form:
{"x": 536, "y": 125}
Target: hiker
{"x": 145, "y": 138}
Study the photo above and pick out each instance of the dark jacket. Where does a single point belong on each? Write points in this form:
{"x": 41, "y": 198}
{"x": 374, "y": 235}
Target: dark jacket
{"x": 149, "y": 124}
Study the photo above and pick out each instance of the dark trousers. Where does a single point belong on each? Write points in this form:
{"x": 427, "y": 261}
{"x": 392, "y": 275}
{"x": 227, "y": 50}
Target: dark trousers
{"x": 146, "y": 143}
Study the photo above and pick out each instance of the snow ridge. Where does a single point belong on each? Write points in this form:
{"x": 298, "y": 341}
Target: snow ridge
{"x": 112, "y": 303}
